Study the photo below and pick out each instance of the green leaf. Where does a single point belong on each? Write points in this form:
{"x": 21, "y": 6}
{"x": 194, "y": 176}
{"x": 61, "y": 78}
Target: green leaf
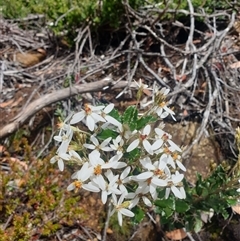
{"x": 168, "y": 212}
{"x": 143, "y": 121}
{"x": 165, "y": 203}
{"x": 139, "y": 214}
{"x": 103, "y": 135}
{"x": 130, "y": 117}
{"x": 198, "y": 225}
{"x": 115, "y": 114}
{"x": 181, "y": 206}
{"x": 132, "y": 155}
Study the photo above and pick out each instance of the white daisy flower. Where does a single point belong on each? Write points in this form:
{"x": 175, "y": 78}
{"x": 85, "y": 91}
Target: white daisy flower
{"x": 143, "y": 138}
{"x": 92, "y": 115}
{"x": 121, "y": 208}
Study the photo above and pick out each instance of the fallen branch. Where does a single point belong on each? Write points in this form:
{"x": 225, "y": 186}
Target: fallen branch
{"x": 49, "y": 99}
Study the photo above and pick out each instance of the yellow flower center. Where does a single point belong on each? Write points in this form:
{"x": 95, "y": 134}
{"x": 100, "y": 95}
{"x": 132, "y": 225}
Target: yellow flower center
{"x": 98, "y": 170}
{"x": 78, "y": 184}
{"x": 87, "y": 109}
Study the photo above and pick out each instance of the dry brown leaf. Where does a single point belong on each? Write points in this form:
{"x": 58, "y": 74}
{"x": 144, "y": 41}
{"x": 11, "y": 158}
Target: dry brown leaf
{"x": 236, "y": 208}
{"x": 176, "y": 234}
{"x": 235, "y": 65}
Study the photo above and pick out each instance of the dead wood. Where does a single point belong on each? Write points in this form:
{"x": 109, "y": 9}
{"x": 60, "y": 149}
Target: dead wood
{"x": 49, "y": 99}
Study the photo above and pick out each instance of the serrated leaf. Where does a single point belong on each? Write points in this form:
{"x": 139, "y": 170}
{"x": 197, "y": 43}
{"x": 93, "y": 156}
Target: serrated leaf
{"x": 181, "y": 206}
{"x": 143, "y": 121}
{"x": 130, "y": 117}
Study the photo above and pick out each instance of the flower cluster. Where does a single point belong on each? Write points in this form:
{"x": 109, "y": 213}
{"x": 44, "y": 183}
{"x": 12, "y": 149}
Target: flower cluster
{"x": 123, "y": 157}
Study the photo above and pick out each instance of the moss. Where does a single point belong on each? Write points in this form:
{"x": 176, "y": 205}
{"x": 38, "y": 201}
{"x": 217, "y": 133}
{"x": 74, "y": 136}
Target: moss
{"x": 35, "y": 200}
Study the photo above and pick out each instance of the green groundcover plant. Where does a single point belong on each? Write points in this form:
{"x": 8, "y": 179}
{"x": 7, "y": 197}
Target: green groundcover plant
{"x": 135, "y": 164}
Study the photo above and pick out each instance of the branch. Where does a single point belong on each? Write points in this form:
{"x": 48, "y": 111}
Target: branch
{"x": 49, "y": 99}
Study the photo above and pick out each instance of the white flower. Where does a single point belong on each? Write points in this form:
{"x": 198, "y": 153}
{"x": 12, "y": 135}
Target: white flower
{"x": 82, "y": 175}
{"x": 124, "y": 178}
{"x": 173, "y": 184}
{"x": 121, "y": 208}
{"x": 118, "y": 145}
{"x": 75, "y": 156}
{"x": 110, "y": 186}
{"x": 97, "y": 167}
{"x": 109, "y": 118}
{"x": 115, "y": 162}
{"x": 96, "y": 146}
{"x": 143, "y": 136}
{"x": 139, "y": 193}
{"x": 125, "y": 132}
{"x": 162, "y": 110}
{"x": 65, "y": 136}
{"x": 59, "y": 159}
{"x": 157, "y": 172}
{"x": 92, "y": 114}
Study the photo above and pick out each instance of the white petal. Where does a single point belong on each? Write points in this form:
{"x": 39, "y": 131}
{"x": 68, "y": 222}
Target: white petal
{"x": 176, "y": 192}
{"x": 174, "y": 146}
{"x": 84, "y": 173}
{"x": 90, "y": 187}
{"x": 77, "y": 117}
{"x": 157, "y": 144}
{"x": 94, "y": 140}
{"x": 60, "y": 164}
{"x": 183, "y": 192}
{"x": 97, "y": 117}
{"x": 134, "y": 202}
{"x": 147, "y": 130}
{"x": 144, "y": 175}
{"x": 133, "y": 145}
{"x": 94, "y": 156}
{"x": 53, "y": 159}
{"x": 159, "y": 182}
{"x": 104, "y": 197}
{"x": 181, "y": 166}
{"x": 120, "y": 219}
{"x": 119, "y": 165}
{"x": 147, "y": 146}
{"x": 71, "y": 187}
{"x": 111, "y": 120}
{"x": 147, "y": 201}
{"x": 125, "y": 172}
{"x": 147, "y": 164}
{"x": 108, "y": 108}
{"x": 167, "y": 193}
{"x": 159, "y": 132}
{"x": 177, "y": 178}
{"x": 89, "y": 146}
{"x": 96, "y": 108}
{"x": 100, "y": 182}
{"x": 58, "y": 138}
{"x": 164, "y": 115}
{"x": 90, "y": 123}
{"x": 126, "y": 212}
